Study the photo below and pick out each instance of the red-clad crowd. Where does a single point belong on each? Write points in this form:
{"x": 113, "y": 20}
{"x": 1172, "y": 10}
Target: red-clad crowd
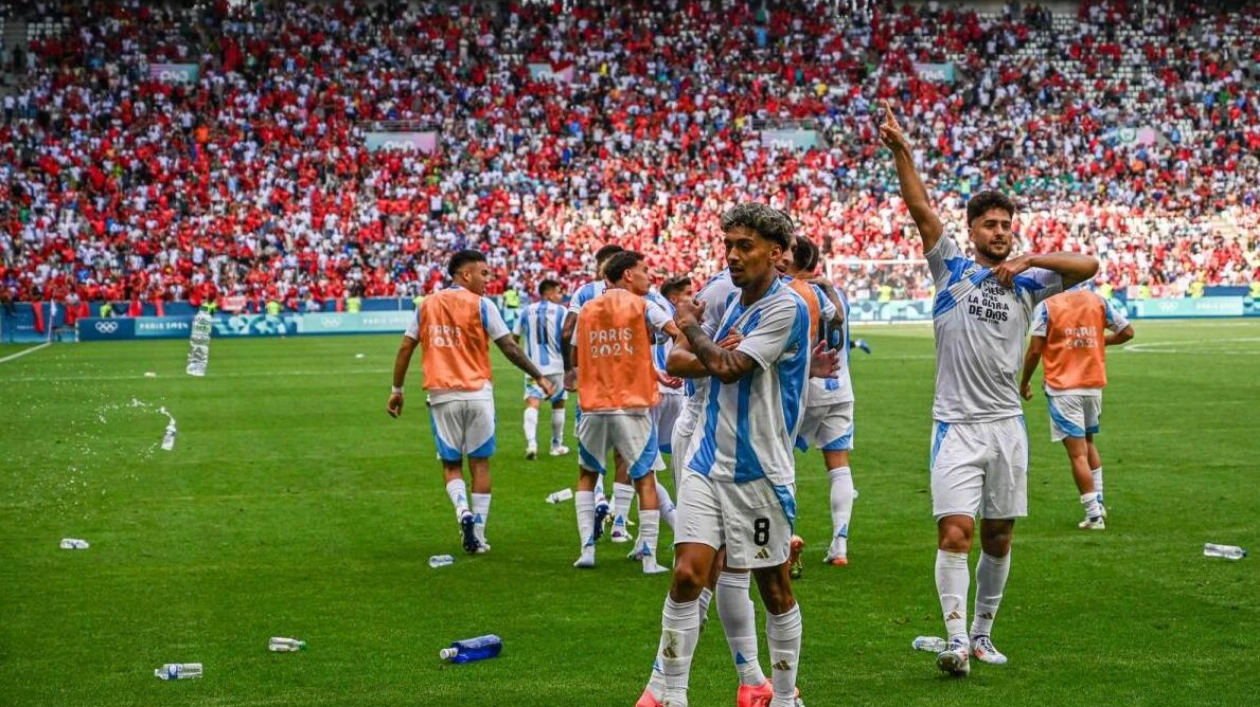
{"x": 1131, "y": 135}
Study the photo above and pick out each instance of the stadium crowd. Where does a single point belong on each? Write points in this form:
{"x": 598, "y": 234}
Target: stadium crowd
{"x": 1133, "y": 136}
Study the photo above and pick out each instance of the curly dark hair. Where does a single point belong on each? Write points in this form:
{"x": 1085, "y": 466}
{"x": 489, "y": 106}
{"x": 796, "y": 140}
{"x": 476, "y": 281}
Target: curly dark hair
{"x": 770, "y": 223}
{"x": 980, "y": 204}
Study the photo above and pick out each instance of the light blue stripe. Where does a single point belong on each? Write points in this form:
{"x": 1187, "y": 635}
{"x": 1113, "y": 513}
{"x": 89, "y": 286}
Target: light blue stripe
{"x": 485, "y": 451}
{"x": 793, "y": 372}
{"x": 643, "y": 465}
{"x": 588, "y": 460}
{"x": 747, "y": 465}
{"x": 944, "y": 302}
{"x": 788, "y": 502}
{"x": 942, "y": 429}
{"x": 446, "y": 451}
{"x": 843, "y": 443}
{"x": 1069, "y": 428}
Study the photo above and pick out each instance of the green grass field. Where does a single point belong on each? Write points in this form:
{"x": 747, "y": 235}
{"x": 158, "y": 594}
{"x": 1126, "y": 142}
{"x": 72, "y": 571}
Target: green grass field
{"x": 293, "y": 505}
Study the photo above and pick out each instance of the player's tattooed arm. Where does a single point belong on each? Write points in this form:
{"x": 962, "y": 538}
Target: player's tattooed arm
{"x": 507, "y": 344}
{"x": 726, "y": 366}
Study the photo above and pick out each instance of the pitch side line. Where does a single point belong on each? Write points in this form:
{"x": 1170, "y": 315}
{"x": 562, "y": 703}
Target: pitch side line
{"x": 23, "y": 352}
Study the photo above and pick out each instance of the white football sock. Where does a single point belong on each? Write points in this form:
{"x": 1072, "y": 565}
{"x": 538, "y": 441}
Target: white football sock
{"x": 736, "y": 612}
{"x": 557, "y": 427}
{"x": 841, "y": 507}
{"x": 623, "y": 496}
{"x": 649, "y": 527}
{"x": 783, "y": 636}
{"x": 1093, "y": 509}
{"x": 458, "y": 493}
{"x": 706, "y": 596}
{"x": 531, "y": 427}
{"x": 481, "y": 513}
{"x": 1098, "y": 483}
{"x": 680, "y": 629}
{"x": 666, "y": 504}
{"x": 991, "y": 574}
{"x": 952, "y": 582}
{"x": 585, "y": 503}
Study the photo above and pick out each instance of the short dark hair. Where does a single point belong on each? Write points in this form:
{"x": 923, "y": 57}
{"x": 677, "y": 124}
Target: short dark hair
{"x": 620, "y": 263}
{"x": 547, "y": 286}
{"x": 462, "y": 258}
{"x": 980, "y": 204}
{"x": 607, "y": 252}
{"x": 674, "y": 285}
{"x": 769, "y": 223}
{"x": 805, "y": 256}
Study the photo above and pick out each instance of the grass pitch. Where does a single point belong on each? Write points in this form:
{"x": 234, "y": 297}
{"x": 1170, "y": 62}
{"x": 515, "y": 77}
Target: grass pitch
{"x": 292, "y": 505}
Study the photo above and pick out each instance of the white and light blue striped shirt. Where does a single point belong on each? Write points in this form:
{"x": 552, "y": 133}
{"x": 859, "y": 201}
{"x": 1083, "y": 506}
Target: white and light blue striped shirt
{"x": 745, "y": 430}
{"x": 540, "y": 327}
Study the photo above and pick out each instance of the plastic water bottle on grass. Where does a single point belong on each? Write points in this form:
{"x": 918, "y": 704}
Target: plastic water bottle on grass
{"x": 199, "y": 344}
{"x": 168, "y": 439}
{"x": 441, "y": 561}
{"x": 1229, "y": 552}
{"x": 472, "y": 649}
{"x": 931, "y": 644}
{"x": 179, "y": 671}
{"x": 278, "y": 644}
{"x": 560, "y": 496}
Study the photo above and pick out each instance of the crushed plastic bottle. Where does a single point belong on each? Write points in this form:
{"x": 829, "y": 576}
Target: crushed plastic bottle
{"x": 441, "y": 561}
{"x": 472, "y": 649}
{"x": 168, "y": 438}
{"x": 931, "y": 644}
{"x": 279, "y": 644}
{"x": 179, "y": 671}
{"x": 560, "y": 496}
{"x": 74, "y": 544}
{"x": 199, "y": 344}
{"x": 1229, "y": 552}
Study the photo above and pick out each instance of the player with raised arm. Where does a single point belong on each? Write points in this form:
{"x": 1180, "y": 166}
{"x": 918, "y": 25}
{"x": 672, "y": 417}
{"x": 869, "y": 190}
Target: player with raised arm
{"x": 617, "y": 391}
{"x": 454, "y": 328}
{"x": 1068, "y": 331}
{"x": 979, "y": 451}
{"x": 540, "y": 327}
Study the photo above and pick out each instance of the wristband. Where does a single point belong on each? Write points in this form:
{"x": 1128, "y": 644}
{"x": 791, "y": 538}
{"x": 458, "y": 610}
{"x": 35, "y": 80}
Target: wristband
{"x": 397, "y": 390}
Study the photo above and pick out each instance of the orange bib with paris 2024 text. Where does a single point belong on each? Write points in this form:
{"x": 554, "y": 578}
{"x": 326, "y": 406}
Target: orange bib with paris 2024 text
{"x": 1074, "y": 352}
{"x": 614, "y": 354}
{"x": 454, "y": 341}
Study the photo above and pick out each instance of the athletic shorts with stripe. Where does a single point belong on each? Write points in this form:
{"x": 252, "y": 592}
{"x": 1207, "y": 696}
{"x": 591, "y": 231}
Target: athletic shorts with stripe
{"x": 980, "y": 469}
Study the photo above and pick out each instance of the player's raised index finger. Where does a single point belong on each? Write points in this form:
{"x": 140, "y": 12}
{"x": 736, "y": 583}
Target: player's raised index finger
{"x": 888, "y": 112}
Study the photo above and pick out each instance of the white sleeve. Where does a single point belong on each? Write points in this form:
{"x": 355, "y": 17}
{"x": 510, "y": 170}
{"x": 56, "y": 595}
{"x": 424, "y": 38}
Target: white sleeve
{"x": 1042, "y": 283}
{"x": 943, "y": 257}
{"x": 492, "y": 319}
{"x": 579, "y": 298}
{"x": 773, "y": 336}
{"x": 1041, "y": 320}
{"x": 413, "y": 328}
{"x": 1117, "y": 319}
{"x": 825, "y": 303}
{"x": 518, "y": 327}
{"x": 657, "y": 317}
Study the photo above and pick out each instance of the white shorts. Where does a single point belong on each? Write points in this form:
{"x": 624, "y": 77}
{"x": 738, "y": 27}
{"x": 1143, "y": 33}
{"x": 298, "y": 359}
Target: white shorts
{"x": 753, "y": 519}
{"x": 463, "y": 428}
{"x": 980, "y": 468}
{"x": 664, "y": 416}
{"x": 557, "y": 380}
{"x": 1074, "y": 416}
{"x": 629, "y": 434}
{"x": 827, "y": 427}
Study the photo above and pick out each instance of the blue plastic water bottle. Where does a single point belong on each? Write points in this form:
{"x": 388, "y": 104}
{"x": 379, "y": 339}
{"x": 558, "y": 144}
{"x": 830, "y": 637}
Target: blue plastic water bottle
{"x": 472, "y": 649}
